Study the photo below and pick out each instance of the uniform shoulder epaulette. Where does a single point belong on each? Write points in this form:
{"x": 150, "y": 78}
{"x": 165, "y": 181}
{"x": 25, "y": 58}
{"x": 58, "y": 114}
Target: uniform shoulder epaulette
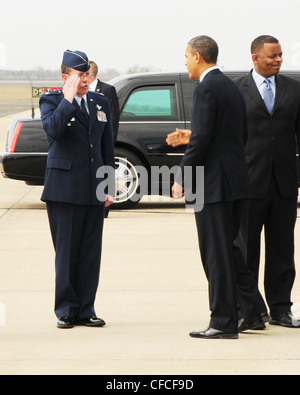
{"x": 98, "y": 92}
{"x": 53, "y": 92}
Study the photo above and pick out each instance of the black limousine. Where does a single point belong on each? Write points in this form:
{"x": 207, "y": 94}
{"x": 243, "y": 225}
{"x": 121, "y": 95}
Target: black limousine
{"x": 151, "y": 106}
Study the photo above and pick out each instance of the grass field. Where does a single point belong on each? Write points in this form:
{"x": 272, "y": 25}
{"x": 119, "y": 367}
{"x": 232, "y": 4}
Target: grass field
{"x": 10, "y": 93}
{"x": 15, "y": 99}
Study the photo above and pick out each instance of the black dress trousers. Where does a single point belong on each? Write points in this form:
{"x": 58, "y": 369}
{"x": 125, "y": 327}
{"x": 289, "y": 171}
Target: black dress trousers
{"x": 277, "y": 215}
{"x": 231, "y": 284}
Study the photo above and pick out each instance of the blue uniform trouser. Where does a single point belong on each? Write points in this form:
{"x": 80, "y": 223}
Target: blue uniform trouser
{"x": 77, "y": 238}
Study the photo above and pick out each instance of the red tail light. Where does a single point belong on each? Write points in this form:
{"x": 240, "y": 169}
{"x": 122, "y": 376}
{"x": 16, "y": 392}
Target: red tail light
{"x": 16, "y": 134}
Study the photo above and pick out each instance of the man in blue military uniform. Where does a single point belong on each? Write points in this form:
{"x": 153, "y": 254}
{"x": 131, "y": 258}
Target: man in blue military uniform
{"x": 79, "y": 130}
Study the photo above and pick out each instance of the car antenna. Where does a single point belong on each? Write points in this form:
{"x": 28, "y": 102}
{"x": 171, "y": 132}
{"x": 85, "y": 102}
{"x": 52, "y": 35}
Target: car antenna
{"x": 32, "y": 103}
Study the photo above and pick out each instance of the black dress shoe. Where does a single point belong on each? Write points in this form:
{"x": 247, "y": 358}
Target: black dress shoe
{"x": 255, "y": 323}
{"x": 265, "y": 317}
{"x": 93, "y": 321}
{"x": 65, "y": 323}
{"x": 286, "y": 319}
{"x": 211, "y": 333}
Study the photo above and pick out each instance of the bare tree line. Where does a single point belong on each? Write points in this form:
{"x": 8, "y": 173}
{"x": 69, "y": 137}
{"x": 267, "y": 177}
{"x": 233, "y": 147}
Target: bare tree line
{"x": 39, "y": 73}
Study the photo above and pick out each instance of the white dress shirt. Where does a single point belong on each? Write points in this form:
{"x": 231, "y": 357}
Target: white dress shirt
{"x": 93, "y": 85}
{"x": 259, "y": 81}
{"x": 78, "y": 99}
{"x": 207, "y": 71}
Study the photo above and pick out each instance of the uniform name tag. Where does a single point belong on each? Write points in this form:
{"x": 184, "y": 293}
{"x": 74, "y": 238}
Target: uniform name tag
{"x": 101, "y": 116}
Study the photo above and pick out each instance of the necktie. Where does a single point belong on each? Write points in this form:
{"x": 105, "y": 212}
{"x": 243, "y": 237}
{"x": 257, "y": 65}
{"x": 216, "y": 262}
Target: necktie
{"x": 268, "y": 95}
{"x": 84, "y": 110}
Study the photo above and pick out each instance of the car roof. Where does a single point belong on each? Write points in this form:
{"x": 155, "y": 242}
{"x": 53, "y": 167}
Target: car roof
{"x": 149, "y": 75}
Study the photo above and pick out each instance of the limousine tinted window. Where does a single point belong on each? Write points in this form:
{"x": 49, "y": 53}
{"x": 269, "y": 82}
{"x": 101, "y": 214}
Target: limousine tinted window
{"x": 151, "y": 103}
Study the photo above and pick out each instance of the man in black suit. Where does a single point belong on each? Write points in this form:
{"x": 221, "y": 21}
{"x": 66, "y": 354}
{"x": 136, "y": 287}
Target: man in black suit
{"x": 79, "y": 131}
{"x": 273, "y": 112}
{"x": 219, "y": 132}
{"x": 109, "y": 91}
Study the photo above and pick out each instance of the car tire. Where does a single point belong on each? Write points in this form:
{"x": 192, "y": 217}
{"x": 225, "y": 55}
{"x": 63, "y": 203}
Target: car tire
{"x": 128, "y": 186}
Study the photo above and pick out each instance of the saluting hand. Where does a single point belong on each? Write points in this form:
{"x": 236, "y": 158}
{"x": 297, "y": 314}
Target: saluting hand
{"x": 70, "y": 88}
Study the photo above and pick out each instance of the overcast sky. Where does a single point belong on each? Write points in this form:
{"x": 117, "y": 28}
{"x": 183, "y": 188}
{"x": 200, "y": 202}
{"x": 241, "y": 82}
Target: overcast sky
{"x": 123, "y": 33}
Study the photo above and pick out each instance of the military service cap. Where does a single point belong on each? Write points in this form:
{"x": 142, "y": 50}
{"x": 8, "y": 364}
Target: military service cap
{"x": 76, "y": 60}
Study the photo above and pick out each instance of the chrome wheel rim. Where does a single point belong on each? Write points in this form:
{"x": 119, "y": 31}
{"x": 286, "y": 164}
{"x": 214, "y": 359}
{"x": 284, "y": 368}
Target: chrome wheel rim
{"x": 127, "y": 180}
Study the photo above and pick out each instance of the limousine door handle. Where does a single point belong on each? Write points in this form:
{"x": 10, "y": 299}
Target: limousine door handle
{"x": 165, "y": 149}
{"x": 157, "y": 148}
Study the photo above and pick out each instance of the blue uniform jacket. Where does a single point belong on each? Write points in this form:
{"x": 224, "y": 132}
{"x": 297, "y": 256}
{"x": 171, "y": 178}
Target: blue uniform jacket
{"x": 76, "y": 150}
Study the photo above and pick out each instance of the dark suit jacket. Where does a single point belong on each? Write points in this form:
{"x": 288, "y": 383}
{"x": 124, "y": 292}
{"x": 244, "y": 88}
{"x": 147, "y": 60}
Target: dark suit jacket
{"x": 272, "y": 139}
{"x": 219, "y": 132}
{"x": 76, "y": 149}
{"x": 110, "y": 92}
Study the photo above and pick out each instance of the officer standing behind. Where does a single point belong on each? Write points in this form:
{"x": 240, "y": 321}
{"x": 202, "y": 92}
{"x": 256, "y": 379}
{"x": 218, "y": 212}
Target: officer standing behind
{"x": 79, "y": 131}
{"x": 110, "y": 92}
